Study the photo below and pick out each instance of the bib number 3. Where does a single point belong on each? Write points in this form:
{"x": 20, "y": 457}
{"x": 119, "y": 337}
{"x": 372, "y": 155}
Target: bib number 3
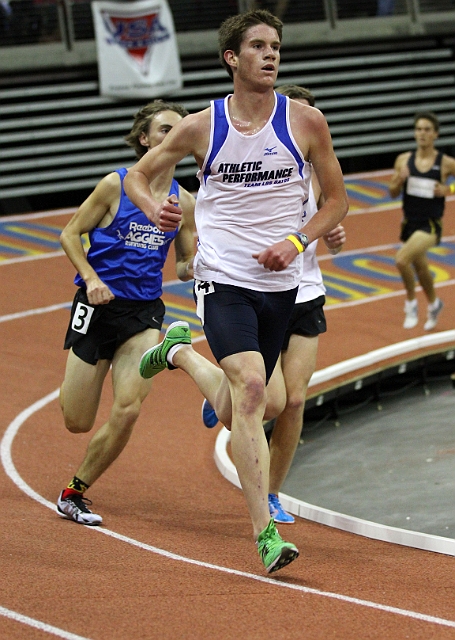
{"x": 81, "y": 318}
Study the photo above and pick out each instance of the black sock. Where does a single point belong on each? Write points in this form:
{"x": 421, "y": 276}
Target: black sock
{"x": 78, "y": 485}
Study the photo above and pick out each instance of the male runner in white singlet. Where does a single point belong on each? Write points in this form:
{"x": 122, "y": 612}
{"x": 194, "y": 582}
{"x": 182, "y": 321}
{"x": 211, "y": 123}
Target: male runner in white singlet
{"x": 252, "y": 150}
{"x": 289, "y": 383}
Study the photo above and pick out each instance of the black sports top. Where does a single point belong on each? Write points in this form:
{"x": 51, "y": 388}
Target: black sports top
{"x": 418, "y": 202}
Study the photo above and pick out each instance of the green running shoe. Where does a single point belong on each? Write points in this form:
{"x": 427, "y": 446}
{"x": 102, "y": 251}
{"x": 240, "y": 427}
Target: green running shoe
{"x": 274, "y": 551}
{"x": 154, "y": 360}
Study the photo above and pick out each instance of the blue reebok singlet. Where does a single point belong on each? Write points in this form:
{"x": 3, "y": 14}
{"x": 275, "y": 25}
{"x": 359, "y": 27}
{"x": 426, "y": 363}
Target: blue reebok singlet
{"x": 128, "y": 255}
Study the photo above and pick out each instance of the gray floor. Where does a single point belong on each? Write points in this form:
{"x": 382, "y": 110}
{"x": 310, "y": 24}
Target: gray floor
{"x": 395, "y": 466}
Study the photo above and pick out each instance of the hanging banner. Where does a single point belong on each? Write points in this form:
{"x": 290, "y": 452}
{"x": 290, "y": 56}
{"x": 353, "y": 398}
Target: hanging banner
{"x": 137, "y": 49}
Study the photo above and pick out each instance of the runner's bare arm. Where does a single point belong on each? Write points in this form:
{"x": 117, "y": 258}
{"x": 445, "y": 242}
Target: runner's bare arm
{"x": 334, "y": 203}
{"x": 447, "y": 169}
{"x": 184, "y": 241}
{"x": 314, "y": 143}
{"x": 400, "y": 173}
{"x": 98, "y": 209}
{"x": 189, "y": 136}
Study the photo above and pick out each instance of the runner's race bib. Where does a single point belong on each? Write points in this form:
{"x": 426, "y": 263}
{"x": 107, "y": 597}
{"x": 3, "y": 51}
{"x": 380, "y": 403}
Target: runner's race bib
{"x": 420, "y": 187}
{"x": 81, "y": 318}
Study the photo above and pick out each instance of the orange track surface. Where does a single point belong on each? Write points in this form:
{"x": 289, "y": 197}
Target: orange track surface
{"x": 165, "y": 496}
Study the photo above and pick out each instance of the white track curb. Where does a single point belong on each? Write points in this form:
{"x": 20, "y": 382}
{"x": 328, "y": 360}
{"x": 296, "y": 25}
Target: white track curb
{"x": 342, "y": 521}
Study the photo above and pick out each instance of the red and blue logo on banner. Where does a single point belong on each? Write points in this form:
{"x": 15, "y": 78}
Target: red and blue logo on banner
{"x": 136, "y": 35}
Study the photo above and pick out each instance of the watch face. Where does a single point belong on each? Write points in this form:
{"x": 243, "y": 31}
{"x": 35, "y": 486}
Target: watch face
{"x": 304, "y": 240}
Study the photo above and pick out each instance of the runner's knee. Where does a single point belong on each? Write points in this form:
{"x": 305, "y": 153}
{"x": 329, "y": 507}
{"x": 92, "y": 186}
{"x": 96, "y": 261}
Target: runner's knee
{"x": 402, "y": 261}
{"x": 252, "y": 392}
{"x": 275, "y": 406}
{"x": 78, "y": 424}
{"x": 125, "y": 414}
{"x": 295, "y": 401}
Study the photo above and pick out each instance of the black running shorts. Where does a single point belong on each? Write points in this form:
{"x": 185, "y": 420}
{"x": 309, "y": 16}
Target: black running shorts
{"x": 96, "y": 331}
{"x": 237, "y": 320}
{"x": 430, "y": 225}
{"x": 307, "y": 319}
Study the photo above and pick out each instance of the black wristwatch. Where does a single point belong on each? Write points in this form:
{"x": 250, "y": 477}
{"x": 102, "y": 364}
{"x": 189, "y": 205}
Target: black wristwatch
{"x": 303, "y": 239}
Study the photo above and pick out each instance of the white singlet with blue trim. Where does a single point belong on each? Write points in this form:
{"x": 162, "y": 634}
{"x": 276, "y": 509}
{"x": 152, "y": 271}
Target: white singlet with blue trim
{"x": 250, "y": 197}
{"x": 312, "y": 285}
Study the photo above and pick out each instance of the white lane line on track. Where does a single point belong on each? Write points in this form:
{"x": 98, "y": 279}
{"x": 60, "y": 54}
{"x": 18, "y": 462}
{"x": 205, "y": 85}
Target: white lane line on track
{"x": 57, "y": 307}
{"x": 338, "y": 305}
{"x": 381, "y": 296}
{"x": 11, "y": 471}
{"x": 20, "y": 217}
{"x": 37, "y": 624}
{"x": 325, "y": 256}
{"x": 36, "y": 256}
{"x": 59, "y": 253}
{"x": 33, "y": 312}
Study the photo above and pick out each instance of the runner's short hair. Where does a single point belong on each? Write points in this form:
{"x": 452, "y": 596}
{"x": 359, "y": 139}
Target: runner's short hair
{"x": 143, "y": 119}
{"x": 428, "y": 115}
{"x": 233, "y": 29}
{"x": 295, "y": 92}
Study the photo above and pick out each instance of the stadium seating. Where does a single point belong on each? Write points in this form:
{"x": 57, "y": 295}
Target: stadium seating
{"x": 57, "y": 134}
